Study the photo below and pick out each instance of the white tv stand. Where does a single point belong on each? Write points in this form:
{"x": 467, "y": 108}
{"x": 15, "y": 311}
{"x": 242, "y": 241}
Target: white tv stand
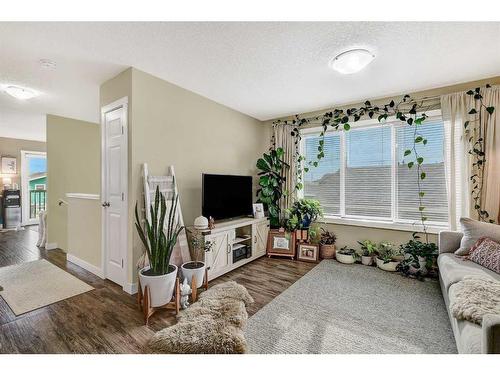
{"x": 226, "y": 234}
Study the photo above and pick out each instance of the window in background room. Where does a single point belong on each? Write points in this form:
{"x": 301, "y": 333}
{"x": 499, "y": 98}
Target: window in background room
{"x": 323, "y": 182}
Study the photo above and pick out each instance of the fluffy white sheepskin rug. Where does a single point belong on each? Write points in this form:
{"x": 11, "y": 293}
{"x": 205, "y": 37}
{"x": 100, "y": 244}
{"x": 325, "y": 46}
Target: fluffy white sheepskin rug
{"x": 476, "y": 297}
{"x": 212, "y": 325}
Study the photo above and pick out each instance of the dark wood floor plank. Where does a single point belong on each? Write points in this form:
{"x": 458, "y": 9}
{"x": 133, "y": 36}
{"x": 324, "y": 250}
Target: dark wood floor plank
{"x": 106, "y": 319}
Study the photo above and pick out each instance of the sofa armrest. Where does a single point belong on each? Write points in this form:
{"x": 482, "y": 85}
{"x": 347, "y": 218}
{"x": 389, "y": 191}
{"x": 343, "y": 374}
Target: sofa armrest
{"x": 491, "y": 334}
{"x": 449, "y": 241}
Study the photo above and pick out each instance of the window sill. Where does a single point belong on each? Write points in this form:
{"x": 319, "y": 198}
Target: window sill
{"x": 406, "y": 227}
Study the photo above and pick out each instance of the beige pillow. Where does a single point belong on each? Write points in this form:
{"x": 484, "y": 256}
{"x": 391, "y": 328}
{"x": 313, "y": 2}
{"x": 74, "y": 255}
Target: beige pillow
{"x": 473, "y": 230}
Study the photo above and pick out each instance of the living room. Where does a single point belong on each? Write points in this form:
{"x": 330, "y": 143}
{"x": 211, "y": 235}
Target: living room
{"x": 254, "y": 188}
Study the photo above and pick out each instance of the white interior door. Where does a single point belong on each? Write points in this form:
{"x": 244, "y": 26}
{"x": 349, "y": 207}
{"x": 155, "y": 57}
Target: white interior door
{"x": 114, "y": 191}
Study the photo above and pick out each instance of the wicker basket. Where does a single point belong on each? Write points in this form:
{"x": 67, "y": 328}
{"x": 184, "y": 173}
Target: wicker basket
{"x": 327, "y": 251}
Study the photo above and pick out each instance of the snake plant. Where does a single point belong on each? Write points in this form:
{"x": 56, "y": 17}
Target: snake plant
{"x": 159, "y": 241}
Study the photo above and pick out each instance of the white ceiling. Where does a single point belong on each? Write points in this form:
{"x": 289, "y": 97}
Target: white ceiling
{"x": 265, "y": 69}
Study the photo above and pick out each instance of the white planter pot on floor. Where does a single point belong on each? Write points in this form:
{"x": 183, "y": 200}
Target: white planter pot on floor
{"x": 343, "y": 258}
{"x": 390, "y": 266}
{"x": 188, "y": 271}
{"x": 161, "y": 287}
{"x": 367, "y": 260}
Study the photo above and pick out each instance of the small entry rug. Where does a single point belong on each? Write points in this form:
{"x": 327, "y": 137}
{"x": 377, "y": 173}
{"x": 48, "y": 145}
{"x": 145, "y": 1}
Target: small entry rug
{"x": 29, "y": 286}
{"x": 338, "y": 308}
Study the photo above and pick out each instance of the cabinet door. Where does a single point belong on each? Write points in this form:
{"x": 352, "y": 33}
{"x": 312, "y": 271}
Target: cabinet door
{"x": 260, "y": 231}
{"x": 218, "y": 257}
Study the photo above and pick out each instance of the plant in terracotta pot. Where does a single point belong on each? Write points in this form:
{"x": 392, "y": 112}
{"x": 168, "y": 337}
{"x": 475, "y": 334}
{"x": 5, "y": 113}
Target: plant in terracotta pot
{"x": 346, "y": 255}
{"x": 159, "y": 242}
{"x": 196, "y": 267}
{"x": 419, "y": 258}
{"x": 368, "y": 252}
{"x": 388, "y": 257}
{"x": 327, "y": 244}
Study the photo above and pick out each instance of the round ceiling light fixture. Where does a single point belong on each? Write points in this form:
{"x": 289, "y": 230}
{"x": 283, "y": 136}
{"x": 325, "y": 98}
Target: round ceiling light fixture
{"x": 19, "y": 92}
{"x": 352, "y": 61}
{"x": 47, "y": 64}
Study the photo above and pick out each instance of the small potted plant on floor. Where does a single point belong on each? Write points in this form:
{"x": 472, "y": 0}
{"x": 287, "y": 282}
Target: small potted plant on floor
{"x": 159, "y": 242}
{"x": 196, "y": 267}
{"x": 387, "y": 257}
{"x": 327, "y": 244}
{"x": 346, "y": 255}
{"x": 368, "y": 251}
{"x": 419, "y": 257}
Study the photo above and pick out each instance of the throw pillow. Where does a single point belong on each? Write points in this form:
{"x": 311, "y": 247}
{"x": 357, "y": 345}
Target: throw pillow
{"x": 486, "y": 254}
{"x": 473, "y": 230}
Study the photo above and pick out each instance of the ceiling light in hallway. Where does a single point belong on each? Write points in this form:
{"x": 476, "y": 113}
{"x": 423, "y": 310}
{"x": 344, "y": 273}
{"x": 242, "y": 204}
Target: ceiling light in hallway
{"x": 20, "y": 93}
{"x": 352, "y": 61}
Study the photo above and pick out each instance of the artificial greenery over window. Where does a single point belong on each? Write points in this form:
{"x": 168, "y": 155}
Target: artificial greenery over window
{"x": 411, "y": 112}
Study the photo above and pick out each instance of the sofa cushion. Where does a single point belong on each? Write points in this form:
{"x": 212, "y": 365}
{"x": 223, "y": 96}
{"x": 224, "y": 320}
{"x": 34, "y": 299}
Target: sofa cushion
{"x": 486, "y": 253}
{"x": 473, "y": 230}
{"x": 468, "y": 335}
{"x": 453, "y": 268}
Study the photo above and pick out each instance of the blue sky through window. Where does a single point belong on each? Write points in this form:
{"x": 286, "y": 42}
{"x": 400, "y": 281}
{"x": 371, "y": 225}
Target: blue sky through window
{"x": 37, "y": 165}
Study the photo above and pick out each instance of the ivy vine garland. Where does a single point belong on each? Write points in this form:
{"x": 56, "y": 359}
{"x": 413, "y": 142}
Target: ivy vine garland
{"x": 411, "y": 112}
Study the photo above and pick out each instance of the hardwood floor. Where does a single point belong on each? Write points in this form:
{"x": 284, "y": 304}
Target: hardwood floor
{"x": 106, "y": 319}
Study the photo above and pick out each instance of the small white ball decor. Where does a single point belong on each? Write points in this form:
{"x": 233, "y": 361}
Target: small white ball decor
{"x": 201, "y": 222}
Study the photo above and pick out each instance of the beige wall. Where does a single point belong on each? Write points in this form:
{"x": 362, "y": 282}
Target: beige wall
{"x": 173, "y": 126}
{"x": 347, "y": 235}
{"x": 13, "y": 147}
{"x": 73, "y": 165}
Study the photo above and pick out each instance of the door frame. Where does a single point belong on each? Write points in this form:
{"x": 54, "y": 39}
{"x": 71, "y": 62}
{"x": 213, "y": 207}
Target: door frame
{"x": 25, "y": 202}
{"x": 120, "y": 103}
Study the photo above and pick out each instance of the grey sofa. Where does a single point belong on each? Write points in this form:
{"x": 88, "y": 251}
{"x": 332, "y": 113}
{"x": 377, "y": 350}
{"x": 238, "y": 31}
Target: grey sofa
{"x": 470, "y": 337}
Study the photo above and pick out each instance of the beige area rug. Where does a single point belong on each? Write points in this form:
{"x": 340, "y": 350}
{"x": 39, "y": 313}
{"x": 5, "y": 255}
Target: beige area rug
{"x": 29, "y": 286}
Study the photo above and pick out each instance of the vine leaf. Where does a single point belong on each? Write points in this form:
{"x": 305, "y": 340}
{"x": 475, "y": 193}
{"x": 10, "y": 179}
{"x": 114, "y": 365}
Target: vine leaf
{"x": 410, "y": 164}
{"x": 422, "y": 176}
{"x": 490, "y": 110}
{"x": 347, "y": 126}
{"x": 472, "y": 111}
{"x": 407, "y": 152}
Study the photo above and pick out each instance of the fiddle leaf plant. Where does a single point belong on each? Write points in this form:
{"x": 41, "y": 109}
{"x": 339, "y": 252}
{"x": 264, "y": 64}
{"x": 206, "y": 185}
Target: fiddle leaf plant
{"x": 272, "y": 169}
{"x": 158, "y": 244}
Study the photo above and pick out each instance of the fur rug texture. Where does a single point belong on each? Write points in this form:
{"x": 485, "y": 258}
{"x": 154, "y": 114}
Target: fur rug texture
{"x": 476, "y": 297}
{"x": 213, "y": 325}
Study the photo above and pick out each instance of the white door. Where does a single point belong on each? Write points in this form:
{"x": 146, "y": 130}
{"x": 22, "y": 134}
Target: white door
{"x": 114, "y": 191}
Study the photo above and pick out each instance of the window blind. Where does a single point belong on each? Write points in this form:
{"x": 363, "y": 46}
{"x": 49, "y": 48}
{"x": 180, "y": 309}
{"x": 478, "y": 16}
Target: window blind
{"x": 323, "y": 182}
{"x": 368, "y": 172}
{"x": 434, "y": 185}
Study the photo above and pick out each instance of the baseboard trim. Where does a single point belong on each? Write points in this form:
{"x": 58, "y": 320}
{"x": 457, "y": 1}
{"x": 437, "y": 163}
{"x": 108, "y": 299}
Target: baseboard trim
{"x": 85, "y": 265}
{"x": 130, "y": 288}
{"x": 51, "y": 246}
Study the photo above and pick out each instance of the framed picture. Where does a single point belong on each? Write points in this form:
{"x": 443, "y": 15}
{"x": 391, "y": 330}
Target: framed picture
{"x": 258, "y": 210}
{"x": 308, "y": 253}
{"x": 281, "y": 243}
{"x": 9, "y": 165}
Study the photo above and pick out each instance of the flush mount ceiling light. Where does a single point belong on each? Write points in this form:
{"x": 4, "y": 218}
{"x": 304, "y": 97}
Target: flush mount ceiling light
{"x": 47, "y": 64}
{"x": 19, "y": 92}
{"x": 352, "y": 61}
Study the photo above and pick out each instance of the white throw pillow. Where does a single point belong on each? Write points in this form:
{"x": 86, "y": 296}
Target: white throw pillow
{"x": 473, "y": 230}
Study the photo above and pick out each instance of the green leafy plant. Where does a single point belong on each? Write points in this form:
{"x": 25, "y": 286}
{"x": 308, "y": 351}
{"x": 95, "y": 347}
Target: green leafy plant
{"x": 314, "y": 234}
{"x": 302, "y": 213}
{"x": 413, "y": 250}
{"x": 347, "y": 251}
{"x": 386, "y": 251}
{"x": 159, "y": 246}
{"x": 199, "y": 247}
{"x": 368, "y": 248}
{"x": 327, "y": 238}
{"x": 272, "y": 177}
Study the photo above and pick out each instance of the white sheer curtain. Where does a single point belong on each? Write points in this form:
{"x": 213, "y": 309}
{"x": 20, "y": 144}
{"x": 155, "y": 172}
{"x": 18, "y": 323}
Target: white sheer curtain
{"x": 458, "y": 163}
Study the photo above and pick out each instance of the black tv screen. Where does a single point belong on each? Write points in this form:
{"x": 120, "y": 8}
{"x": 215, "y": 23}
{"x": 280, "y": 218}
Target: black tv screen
{"x": 226, "y": 196}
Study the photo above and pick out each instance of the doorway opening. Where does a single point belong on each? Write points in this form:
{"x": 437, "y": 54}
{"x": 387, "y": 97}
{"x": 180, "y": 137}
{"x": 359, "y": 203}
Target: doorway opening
{"x": 33, "y": 185}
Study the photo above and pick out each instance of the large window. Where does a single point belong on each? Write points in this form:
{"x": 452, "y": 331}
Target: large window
{"x": 365, "y": 175}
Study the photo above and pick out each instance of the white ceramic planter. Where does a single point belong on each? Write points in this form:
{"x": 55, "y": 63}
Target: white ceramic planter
{"x": 343, "y": 258}
{"x": 161, "y": 287}
{"x": 188, "y": 273}
{"x": 367, "y": 260}
{"x": 390, "y": 266}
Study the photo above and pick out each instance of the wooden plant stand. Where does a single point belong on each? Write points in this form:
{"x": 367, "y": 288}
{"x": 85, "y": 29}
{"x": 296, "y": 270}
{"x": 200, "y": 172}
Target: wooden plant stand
{"x": 194, "y": 291}
{"x": 144, "y": 301}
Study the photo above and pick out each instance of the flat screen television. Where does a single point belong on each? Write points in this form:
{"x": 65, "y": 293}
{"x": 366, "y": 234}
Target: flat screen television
{"x": 226, "y": 196}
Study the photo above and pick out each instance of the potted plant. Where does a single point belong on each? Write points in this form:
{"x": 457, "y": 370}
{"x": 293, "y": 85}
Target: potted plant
{"x": 304, "y": 211}
{"x": 272, "y": 176}
{"x": 387, "y": 257}
{"x": 196, "y": 267}
{"x": 160, "y": 275}
{"x": 346, "y": 255}
{"x": 368, "y": 251}
{"x": 327, "y": 244}
{"x": 419, "y": 257}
